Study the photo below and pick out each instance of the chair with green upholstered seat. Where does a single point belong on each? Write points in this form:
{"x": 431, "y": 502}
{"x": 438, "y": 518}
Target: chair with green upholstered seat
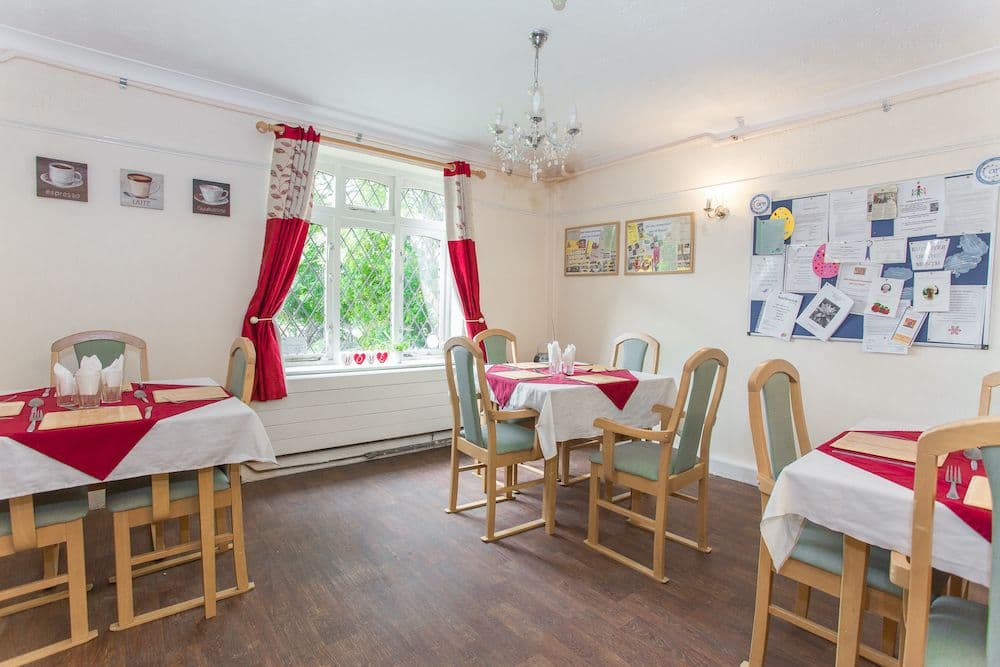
{"x": 629, "y": 351}
{"x": 495, "y": 343}
{"x": 146, "y": 501}
{"x": 951, "y": 630}
{"x": 779, "y": 434}
{"x": 487, "y": 435}
{"x": 650, "y": 464}
{"x": 105, "y": 345}
{"x": 45, "y": 522}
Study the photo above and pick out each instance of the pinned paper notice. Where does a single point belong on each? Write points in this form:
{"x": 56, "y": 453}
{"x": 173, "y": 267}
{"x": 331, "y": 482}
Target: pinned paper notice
{"x": 777, "y": 317}
{"x": 883, "y": 297}
{"x": 846, "y": 251}
{"x": 932, "y": 291}
{"x": 928, "y": 255}
{"x": 888, "y": 250}
{"x": 908, "y": 327}
{"x": 826, "y": 312}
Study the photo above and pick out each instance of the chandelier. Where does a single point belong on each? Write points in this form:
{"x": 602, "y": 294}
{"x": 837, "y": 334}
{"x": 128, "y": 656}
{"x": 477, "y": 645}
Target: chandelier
{"x": 536, "y": 145}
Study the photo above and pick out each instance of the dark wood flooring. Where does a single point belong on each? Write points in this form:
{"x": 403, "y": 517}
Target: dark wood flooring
{"x": 360, "y": 565}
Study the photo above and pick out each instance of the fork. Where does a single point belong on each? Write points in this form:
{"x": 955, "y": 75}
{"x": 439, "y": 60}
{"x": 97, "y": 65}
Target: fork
{"x": 953, "y": 474}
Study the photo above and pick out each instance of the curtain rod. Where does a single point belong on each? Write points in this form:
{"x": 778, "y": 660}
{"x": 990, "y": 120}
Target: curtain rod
{"x": 264, "y": 127}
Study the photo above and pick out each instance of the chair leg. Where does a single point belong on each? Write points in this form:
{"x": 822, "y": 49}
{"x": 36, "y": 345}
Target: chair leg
{"x": 50, "y": 566}
{"x": 123, "y": 571}
{"x": 635, "y": 501}
{"x": 890, "y": 629}
{"x": 659, "y": 534}
{"x": 489, "y": 479}
{"x": 549, "y": 495}
{"x": 516, "y": 490}
{"x": 184, "y": 524}
{"x": 453, "y": 492}
{"x": 802, "y": 596}
{"x": 593, "y": 515}
{"x": 156, "y": 535}
{"x": 239, "y": 538}
{"x": 508, "y": 478}
{"x": 761, "y": 612}
{"x": 76, "y": 570}
{"x": 703, "y": 514}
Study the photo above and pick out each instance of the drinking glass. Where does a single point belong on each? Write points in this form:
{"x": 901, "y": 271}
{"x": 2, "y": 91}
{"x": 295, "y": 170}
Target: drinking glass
{"x": 111, "y": 393}
{"x": 66, "y": 394}
{"x": 88, "y": 384}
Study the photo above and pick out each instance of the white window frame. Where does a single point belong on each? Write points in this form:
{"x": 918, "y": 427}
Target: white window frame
{"x": 336, "y": 218}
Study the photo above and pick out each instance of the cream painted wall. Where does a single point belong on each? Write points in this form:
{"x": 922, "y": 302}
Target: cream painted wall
{"x": 179, "y": 280}
{"x": 950, "y": 132}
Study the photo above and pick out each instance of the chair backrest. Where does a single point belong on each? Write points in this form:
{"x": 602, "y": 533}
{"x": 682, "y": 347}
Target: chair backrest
{"x": 777, "y": 420}
{"x": 466, "y": 373}
{"x": 702, "y": 382}
{"x": 629, "y": 351}
{"x": 991, "y": 381}
{"x": 956, "y": 436}
{"x": 106, "y": 345}
{"x": 494, "y": 343}
{"x": 242, "y": 366}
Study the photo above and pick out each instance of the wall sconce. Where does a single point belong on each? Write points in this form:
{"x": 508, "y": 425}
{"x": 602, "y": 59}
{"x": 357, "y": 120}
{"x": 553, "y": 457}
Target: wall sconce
{"x": 715, "y": 210}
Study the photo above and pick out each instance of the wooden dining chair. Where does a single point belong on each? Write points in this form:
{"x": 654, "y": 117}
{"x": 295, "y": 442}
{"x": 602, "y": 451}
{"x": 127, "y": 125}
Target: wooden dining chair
{"x": 144, "y": 501}
{"x": 779, "y": 434}
{"x": 649, "y": 464}
{"x": 486, "y": 434}
{"x": 105, "y": 345}
{"x": 45, "y": 522}
{"x": 495, "y": 342}
{"x": 951, "y": 630}
{"x": 990, "y": 382}
{"x": 629, "y": 351}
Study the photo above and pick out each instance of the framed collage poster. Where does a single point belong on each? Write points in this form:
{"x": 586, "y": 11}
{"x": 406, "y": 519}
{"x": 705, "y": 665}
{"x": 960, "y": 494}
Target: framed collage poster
{"x": 661, "y": 244}
{"x": 591, "y": 250}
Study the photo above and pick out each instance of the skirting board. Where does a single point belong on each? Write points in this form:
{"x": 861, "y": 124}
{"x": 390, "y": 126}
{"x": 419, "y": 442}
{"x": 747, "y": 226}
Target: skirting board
{"x": 734, "y": 470}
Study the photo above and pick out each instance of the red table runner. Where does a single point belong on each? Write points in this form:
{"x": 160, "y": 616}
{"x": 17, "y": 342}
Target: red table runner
{"x": 94, "y": 450}
{"x": 617, "y": 392}
{"x": 977, "y": 518}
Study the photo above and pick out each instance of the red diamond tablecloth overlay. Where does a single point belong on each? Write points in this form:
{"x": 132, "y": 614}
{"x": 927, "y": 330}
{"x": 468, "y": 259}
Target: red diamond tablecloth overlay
{"x": 977, "y": 518}
{"x": 617, "y": 392}
{"x": 94, "y": 450}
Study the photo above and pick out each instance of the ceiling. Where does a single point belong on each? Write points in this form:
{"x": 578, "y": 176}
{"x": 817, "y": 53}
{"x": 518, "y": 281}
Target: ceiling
{"x": 430, "y": 73}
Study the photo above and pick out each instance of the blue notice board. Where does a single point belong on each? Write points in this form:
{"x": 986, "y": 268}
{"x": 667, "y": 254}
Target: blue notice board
{"x": 852, "y": 328}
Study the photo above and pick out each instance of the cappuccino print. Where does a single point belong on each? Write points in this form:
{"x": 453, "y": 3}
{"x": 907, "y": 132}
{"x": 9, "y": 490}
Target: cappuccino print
{"x": 210, "y": 197}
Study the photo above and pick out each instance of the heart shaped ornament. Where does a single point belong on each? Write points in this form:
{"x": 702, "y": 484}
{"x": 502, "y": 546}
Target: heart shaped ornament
{"x": 359, "y": 358}
{"x": 382, "y": 357}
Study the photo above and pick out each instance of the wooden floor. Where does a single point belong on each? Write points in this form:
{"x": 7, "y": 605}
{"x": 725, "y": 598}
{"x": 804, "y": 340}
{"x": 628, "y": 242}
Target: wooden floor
{"x": 360, "y": 565}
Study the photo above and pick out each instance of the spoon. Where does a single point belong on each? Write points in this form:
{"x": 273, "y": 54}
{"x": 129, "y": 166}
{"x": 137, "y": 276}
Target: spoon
{"x": 974, "y": 456}
{"x": 35, "y": 404}
{"x": 141, "y": 395}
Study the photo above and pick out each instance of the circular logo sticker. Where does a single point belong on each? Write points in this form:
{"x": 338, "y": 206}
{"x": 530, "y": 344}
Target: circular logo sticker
{"x": 760, "y": 204}
{"x": 988, "y": 171}
{"x": 783, "y": 213}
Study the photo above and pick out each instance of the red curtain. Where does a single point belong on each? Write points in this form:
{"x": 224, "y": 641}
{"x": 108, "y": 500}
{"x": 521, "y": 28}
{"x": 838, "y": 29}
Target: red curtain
{"x": 289, "y": 208}
{"x": 461, "y": 247}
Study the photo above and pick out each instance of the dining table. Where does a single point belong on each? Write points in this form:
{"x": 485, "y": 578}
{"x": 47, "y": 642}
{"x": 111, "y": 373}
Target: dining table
{"x": 147, "y": 437}
{"x": 568, "y": 405}
{"x": 869, "y": 499}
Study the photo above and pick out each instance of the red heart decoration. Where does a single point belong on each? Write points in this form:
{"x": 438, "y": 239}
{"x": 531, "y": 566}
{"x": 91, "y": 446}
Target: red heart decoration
{"x": 382, "y": 357}
{"x": 359, "y": 358}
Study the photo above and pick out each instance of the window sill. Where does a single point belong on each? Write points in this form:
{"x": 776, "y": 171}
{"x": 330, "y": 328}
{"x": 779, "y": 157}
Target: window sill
{"x": 326, "y": 368}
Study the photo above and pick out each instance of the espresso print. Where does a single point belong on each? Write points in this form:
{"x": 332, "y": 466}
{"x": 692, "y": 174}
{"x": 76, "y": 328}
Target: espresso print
{"x": 210, "y": 197}
{"x": 141, "y": 189}
{"x": 60, "y": 179}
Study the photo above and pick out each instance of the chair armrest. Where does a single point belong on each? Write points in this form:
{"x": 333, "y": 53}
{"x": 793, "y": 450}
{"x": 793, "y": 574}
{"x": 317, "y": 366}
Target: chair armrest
{"x": 633, "y": 431}
{"x": 899, "y": 570}
{"x": 511, "y": 415}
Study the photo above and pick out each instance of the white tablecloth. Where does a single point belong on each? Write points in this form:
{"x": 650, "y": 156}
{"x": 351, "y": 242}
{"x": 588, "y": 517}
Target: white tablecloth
{"x": 847, "y": 499}
{"x": 567, "y": 412}
{"x": 227, "y": 431}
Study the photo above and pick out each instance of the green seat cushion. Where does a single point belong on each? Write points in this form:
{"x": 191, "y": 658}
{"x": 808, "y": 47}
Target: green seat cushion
{"x": 51, "y": 508}
{"x": 511, "y": 438}
{"x": 635, "y": 457}
{"x": 823, "y": 548}
{"x": 956, "y": 633}
{"x": 132, "y": 494}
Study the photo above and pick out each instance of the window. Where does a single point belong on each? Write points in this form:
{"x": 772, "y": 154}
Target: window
{"x": 373, "y": 276}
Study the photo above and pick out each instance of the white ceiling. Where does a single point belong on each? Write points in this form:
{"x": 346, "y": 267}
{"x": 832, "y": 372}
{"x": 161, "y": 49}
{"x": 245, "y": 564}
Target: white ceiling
{"x": 429, "y": 73}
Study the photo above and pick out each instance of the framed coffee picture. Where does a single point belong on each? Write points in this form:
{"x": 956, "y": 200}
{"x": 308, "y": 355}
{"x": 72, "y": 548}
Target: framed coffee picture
{"x": 141, "y": 189}
{"x": 210, "y": 197}
{"x": 60, "y": 179}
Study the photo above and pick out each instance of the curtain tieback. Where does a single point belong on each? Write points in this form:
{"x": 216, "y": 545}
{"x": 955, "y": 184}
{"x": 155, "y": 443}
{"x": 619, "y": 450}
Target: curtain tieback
{"x": 480, "y": 320}
{"x": 254, "y": 319}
